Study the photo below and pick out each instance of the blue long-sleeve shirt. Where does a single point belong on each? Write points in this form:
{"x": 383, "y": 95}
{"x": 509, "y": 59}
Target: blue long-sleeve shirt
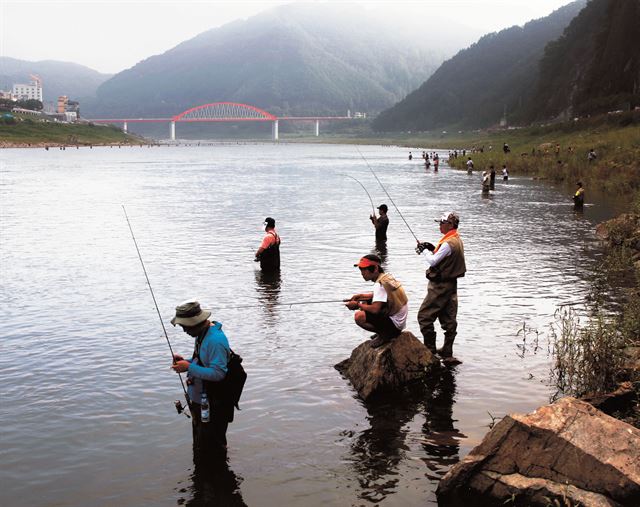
{"x": 214, "y": 355}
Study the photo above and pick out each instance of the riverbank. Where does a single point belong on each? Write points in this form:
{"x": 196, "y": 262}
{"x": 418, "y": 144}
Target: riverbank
{"x": 27, "y": 132}
{"x": 560, "y": 152}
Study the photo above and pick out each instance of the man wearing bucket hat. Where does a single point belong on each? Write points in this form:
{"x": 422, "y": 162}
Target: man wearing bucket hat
{"x": 383, "y": 311}
{"x": 269, "y": 252}
{"x": 445, "y": 265}
{"x": 381, "y": 223}
{"x": 207, "y": 367}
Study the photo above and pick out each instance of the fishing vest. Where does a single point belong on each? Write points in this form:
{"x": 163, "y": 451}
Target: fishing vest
{"x": 270, "y": 257}
{"x": 452, "y": 266}
{"x": 396, "y": 297}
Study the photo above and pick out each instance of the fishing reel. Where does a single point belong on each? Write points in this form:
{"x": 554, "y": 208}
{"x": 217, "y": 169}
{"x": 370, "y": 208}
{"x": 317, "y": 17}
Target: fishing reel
{"x": 180, "y": 408}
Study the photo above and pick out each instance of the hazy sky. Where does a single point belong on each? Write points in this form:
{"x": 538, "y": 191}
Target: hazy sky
{"x": 110, "y": 36}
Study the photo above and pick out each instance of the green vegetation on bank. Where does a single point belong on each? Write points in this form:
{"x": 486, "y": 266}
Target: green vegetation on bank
{"x": 534, "y": 151}
{"x": 27, "y": 131}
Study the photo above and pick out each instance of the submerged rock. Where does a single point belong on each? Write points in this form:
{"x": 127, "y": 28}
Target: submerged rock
{"x": 403, "y": 361}
{"x": 568, "y": 453}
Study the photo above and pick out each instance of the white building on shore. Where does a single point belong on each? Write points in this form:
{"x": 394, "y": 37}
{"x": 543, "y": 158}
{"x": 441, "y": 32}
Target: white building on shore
{"x": 32, "y": 91}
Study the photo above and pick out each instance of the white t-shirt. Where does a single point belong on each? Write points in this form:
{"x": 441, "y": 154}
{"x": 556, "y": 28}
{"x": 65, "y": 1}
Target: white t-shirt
{"x": 399, "y": 319}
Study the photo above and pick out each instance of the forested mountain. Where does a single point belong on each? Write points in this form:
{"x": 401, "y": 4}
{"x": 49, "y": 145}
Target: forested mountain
{"x": 475, "y": 87}
{"x": 595, "y": 66}
{"x": 298, "y": 59}
{"x": 58, "y": 78}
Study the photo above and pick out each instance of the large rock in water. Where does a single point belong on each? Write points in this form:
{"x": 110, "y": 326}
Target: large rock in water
{"x": 376, "y": 370}
{"x": 568, "y": 451}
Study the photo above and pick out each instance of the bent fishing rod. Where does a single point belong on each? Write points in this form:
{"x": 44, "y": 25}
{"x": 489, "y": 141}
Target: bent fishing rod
{"x": 178, "y": 404}
{"x": 373, "y": 208}
{"x": 385, "y": 191}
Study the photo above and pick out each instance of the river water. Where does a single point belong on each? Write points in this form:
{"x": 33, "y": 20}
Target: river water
{"x": 87, "y": 411}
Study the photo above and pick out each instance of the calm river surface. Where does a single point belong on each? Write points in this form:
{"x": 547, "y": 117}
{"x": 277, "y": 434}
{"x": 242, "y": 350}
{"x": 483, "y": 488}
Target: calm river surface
{"x": 87, "y": 415}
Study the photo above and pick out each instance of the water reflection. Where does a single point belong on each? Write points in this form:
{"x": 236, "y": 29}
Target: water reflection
{"x": 213, "y": 485}
{"x": 380, "y": 249}
{"x": 378, "y": 451}
{"x": 441, "y": 438}
{"x": 268, "y": 288}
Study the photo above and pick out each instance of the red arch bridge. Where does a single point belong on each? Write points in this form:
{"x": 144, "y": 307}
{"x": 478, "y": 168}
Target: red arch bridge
{"x": 228, "y": 112}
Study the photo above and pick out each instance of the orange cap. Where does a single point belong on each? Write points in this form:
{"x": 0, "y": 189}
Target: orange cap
{"x": 365, "y": 263}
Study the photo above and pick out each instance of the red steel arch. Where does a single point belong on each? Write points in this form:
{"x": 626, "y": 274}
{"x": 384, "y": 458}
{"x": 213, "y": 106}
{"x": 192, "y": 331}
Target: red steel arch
{"x": 224, "y": 111}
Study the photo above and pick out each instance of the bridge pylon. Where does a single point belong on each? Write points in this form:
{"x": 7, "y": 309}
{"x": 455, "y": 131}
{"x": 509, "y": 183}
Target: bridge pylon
{"x": 274, "y": 130}
{"x": 173, "y": 130}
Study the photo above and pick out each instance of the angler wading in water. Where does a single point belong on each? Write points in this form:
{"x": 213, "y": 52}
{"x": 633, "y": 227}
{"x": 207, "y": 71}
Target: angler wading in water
{"x": 206, "y": 371}
{"x": 269, "y": 252}
{"x": 445, "y": 265}
{"x": 383, "y": 311}
{"x": 381, "y": 223}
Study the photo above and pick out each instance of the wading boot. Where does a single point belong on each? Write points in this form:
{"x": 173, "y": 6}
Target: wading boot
{"x": 447, "y": 349}
{"x": 430, "y": 342}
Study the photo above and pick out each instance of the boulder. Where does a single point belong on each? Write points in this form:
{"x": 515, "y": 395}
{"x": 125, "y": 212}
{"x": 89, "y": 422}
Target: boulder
{"x": 622, "y": 230}
{"x": 567, "y": 453}
{"x": 619, "y": 400}
{"x": 403, "y": 361}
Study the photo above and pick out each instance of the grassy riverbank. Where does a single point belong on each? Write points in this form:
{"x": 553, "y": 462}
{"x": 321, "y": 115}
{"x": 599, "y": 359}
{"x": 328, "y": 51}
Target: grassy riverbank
{"x": 559, "y": 152}
{"x": 31, "y": 132}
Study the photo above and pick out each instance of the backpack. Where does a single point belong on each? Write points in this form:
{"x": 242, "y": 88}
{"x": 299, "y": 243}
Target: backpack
{"x": 225, "y": 394}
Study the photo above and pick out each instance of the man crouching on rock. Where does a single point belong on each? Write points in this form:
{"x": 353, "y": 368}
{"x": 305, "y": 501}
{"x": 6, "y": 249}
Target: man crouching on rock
{"x": 383, "y": 311}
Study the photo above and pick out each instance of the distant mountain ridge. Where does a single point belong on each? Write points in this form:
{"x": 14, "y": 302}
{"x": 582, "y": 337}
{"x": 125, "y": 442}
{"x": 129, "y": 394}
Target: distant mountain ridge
{"x": 594, "y": 67}
{"x": 475, "y": 87}
{"x": 59, "y": 78}
{"x": 300, "y": 59}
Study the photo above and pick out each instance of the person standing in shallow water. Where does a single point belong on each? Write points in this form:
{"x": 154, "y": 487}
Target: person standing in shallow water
{"x": 381, "y": 223}
{"x": 383, "y": 311}
{"x": 208, "y": 366}
{"x": 486, "y": 184}
{"x": 446, "y": 264}
{"x": 492, "y": 177}
{"x": 578, "y": 197}
{"x": 269, "y": 252}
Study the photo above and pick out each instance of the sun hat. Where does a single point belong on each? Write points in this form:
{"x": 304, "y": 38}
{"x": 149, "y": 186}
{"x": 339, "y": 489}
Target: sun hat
{"x": 190, "y": 314}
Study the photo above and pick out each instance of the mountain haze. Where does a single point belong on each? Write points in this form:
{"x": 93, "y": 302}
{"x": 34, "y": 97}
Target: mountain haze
{"x": 595, "y": 66}
{"x": 476, "y": 86}
{"x": 58, "y": 78}
{"x": 297, "y": 59}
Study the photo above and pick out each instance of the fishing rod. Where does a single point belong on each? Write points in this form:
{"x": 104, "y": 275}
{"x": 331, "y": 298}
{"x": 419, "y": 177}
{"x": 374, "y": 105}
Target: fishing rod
{"x": 178, "y": 403}
{"x": 373, "y": 208}
{"x": 385, "y": 191}
{"x": 324, "y": 301}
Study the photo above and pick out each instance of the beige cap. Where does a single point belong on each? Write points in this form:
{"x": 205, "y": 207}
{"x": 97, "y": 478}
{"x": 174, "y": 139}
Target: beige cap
{"x": 190, "y": 314}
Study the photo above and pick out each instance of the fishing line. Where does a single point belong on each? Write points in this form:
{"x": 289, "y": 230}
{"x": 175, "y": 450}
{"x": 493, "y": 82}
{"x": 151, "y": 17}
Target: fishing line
{"x": 178, "y": 405}
{"x": 373, "y": 208}
{"x": 385, "y": 191}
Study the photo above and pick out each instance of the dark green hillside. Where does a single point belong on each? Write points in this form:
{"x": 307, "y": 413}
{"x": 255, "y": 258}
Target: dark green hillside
{"x": 59, "y": 78}
{"x": 595, "y": 66}
{"x": 300, "y": 59}
{"x": 474, "y": 88}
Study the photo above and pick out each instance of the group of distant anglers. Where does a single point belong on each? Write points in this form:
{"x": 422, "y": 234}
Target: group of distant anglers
{"x": 489, "y": 177}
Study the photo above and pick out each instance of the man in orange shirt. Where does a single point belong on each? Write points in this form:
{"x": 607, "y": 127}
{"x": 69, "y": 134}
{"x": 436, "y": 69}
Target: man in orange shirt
{"x": 269, "y": 252}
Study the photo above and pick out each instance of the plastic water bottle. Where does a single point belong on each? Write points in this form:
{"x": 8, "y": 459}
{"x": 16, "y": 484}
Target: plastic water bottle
{"x": 204, "y": 408}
